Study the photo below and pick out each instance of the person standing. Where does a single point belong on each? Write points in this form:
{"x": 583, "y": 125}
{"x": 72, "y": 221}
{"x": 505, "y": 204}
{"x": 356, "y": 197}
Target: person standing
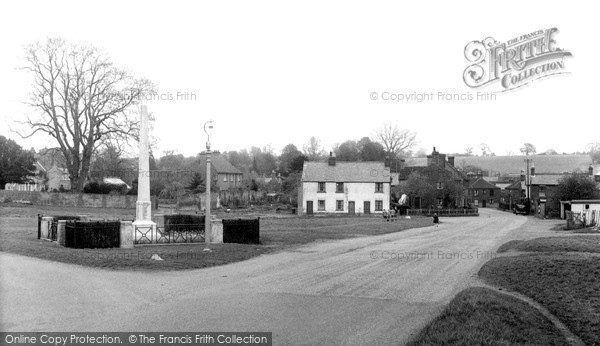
{"x": 436, "y": 220}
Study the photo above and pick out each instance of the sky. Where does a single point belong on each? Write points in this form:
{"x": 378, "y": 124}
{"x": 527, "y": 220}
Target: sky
{"x": 279, "y": 72}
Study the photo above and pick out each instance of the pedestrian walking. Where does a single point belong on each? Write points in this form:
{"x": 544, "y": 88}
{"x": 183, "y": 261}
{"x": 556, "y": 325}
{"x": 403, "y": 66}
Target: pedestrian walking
{"x": 436, "y": 220}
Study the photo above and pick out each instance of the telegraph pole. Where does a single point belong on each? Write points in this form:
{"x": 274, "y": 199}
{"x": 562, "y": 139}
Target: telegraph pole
{"x": 528, "y": 184}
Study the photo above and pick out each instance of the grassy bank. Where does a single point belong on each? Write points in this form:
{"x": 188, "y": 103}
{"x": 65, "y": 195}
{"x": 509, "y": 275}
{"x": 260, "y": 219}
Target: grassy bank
{"x": 563, "y": 275}
{"x": 480, "y": 316}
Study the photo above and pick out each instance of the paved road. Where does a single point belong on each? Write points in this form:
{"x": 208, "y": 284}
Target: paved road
{"x": 380, "y": 289}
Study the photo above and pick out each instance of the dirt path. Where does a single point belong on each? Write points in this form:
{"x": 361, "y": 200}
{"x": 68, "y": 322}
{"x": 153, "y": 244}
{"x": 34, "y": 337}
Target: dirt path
{"x": 380, "y": 289}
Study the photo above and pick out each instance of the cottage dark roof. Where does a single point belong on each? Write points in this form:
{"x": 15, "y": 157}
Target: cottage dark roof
{"x": 546, "y": 179}
{"x": 219, "y": 163}
{"x": 405, "y": 172}
{"x": 517, "y": 185}
{"x": 346, "y": 172}
{"x": 482, "y": 184}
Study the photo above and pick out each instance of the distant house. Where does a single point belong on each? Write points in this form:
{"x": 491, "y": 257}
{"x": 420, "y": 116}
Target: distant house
{"x": 542, "y": 186}
{"x": 344, "y": 187}
{"x": 223, "y": 173}
{"x": 437, "y": 170}
{"x": 513, "y": 194}
{"x": 58, "y": 179}
{"x": 482, "y": 193}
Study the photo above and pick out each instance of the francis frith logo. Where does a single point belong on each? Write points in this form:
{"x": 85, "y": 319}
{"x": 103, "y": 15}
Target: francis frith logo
{"x": 516, "y": 62}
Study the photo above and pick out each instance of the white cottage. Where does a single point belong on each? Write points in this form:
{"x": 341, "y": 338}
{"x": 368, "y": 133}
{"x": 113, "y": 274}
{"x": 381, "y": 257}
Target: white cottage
{"x": 344, "y": 187}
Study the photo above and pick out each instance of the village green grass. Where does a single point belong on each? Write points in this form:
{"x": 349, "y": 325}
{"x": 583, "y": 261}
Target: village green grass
{"x": 18, "y": 235}
{"x": 560, "y": 273}
{"x": 481, "y": 316}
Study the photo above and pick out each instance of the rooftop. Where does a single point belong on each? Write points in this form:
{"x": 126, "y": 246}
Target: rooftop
{"x": 346, "y": 172}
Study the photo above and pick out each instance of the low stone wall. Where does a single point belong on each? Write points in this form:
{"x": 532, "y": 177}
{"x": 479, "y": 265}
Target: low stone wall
{"x": 65, "y": 199}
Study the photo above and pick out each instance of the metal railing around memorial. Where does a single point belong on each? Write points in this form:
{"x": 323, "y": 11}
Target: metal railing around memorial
{"x": 168, "y": 234}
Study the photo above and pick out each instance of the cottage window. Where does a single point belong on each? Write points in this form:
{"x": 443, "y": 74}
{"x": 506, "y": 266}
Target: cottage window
{"x": 231, "y": 177}
{"x": 378, "y": 187}
{"x": 475, "y": 192}
{"x": 225, "y": 177}
{"x": 440, "y": 186}
{"x": 339, "y": 187}
{"x": 321, "y": 187}
{"x": 491, "y": 202}
{"x": 339, "y": 205}
{"x": 321, "y": 204}
{"x": 378, "y": 205}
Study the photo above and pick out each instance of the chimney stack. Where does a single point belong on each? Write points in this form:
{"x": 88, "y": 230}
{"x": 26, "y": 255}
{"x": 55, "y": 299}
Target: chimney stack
{"x": 532, "y": 171}
{"x": 331, "y": 159}
{"x": 386, "y": 162}
{"x": 451, "y": 160}
{"x": 522, "y": 175}
{"x": 591, "y": 170}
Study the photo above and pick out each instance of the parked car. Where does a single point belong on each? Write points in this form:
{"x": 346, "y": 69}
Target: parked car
{"x": 520, "y": 209}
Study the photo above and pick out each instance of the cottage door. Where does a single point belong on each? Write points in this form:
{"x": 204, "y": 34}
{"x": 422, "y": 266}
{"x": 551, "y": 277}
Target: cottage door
{"x": 483, "y": 203}
{"x": 367, "y": 207}
{"x": 351, "y": 207}
{"x": 309, "y": 207}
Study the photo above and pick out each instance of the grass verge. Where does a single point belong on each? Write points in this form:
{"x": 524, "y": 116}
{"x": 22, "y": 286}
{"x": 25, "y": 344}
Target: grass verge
{"x": 554, "y": 244}
{"x": 481, "y": 316}
{"x": 567, "y": 284}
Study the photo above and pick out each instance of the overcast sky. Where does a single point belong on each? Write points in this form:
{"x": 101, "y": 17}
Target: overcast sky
{"x": 275, "y": 72}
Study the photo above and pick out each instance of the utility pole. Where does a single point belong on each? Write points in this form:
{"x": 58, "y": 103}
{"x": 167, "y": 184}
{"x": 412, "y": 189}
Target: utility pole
{"x": 528, "y": 184}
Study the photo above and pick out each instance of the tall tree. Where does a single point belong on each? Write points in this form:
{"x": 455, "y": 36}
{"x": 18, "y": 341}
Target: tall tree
{"x": 595, "y": 152}
{"x": 16, "y": 165}
{"x": 395, "y": 140}
{"x": 313, "y": 150}
{"x": 288, "y": 154}
{"x": 528, "y": 149}
{"x": 81, "y": 98}
{"x": 347, "y": 151}
{"x": 370, "y": 151}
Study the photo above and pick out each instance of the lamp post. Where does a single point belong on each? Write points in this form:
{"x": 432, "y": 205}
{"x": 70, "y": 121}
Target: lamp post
{"x": 207, "y": 126}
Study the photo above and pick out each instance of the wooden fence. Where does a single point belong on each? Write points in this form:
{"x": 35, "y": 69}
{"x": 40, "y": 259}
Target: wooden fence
{"x": 444, "y": 212}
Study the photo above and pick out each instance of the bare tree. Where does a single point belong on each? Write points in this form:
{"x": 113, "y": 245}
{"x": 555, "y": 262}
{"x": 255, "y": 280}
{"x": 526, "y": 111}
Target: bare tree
{"x": 82, "y": 99}
{"x": 528, "y": 149}
{"x": 395, "y": 140}
{"x": 468, "y": 150}
{"x": 313, "y": 149}
{"x": 485, "y": 150}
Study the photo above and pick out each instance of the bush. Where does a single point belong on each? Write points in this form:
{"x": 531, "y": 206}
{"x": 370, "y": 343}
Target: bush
{"x": 90, "y": 235}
